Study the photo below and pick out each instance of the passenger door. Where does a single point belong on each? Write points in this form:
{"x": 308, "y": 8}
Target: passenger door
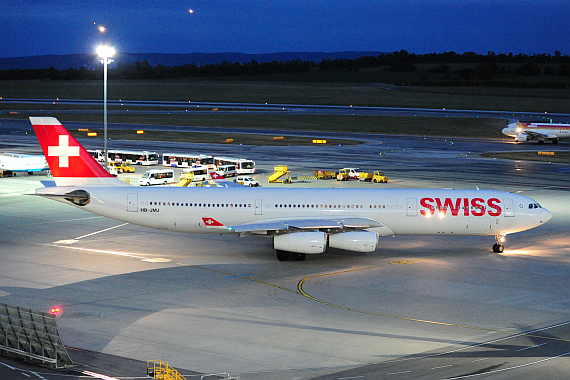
{"x": 132, "y": 202}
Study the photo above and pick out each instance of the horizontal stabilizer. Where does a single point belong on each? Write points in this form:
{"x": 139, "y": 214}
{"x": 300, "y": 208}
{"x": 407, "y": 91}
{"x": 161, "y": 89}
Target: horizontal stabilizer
{"x": 48, "y": 183}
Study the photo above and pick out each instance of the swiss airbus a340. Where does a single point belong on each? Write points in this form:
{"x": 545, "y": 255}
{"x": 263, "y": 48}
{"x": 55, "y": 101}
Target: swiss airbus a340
{"x": 300, "y": 221}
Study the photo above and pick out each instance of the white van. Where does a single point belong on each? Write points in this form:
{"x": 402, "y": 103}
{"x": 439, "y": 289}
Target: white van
{"x": 157, "y": 177}
{"x": 246, "y": 181}
{"x": 227, "y": 170}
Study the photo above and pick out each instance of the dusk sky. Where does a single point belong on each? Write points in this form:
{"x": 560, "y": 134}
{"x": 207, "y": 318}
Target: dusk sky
{"x": 38, "y": 27}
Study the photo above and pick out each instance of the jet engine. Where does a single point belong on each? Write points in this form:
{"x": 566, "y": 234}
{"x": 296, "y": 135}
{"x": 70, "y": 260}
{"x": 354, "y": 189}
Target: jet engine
{"x": 523, "y": 137}
{"x": 301, "y": 242}
{"x": 78, "y": 197}
{"x": 358, "y": 241}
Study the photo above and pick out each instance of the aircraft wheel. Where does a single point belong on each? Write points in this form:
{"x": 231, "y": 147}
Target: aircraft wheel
{"x": 555, "y": 141}
{"x": 300, "y": 256}
{"x": 498, "y": 248}
{"x": 282, "y": 255}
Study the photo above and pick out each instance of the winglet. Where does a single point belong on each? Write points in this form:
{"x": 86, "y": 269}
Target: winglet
{"x": 69, "y": 162}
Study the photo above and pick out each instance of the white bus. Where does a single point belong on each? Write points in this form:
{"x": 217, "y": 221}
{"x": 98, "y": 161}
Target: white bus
{"x": 243, "y": 165}
{"x": 128, "y": 156}
{"x": 183, "y": 160}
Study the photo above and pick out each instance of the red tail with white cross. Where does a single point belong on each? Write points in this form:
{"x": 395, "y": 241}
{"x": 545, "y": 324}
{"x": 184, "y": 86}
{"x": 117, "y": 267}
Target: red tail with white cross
{"x": 69, "y": 162}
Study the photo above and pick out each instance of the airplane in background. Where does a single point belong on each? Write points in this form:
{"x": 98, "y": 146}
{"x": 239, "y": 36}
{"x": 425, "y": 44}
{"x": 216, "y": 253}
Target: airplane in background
{"x": 300, "y": 221}
{"x": 539, "y": 132}
{"x": 13, "y": 162}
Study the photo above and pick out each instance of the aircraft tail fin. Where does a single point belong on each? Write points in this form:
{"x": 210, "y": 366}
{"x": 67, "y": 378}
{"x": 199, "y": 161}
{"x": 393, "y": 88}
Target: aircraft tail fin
{"x": 69, "y": 162}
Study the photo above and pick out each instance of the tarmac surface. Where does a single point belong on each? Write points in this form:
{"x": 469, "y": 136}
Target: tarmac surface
{"x": 419, "y": 307}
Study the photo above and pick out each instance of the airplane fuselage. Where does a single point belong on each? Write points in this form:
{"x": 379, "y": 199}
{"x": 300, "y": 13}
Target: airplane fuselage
{"x": 22, "y": 162}
{"x": 398, "y": 212}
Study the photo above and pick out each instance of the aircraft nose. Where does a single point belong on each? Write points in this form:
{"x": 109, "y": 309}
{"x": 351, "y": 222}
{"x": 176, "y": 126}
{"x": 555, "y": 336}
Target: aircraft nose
{"x": 547, "y": 216}
{"x": 505, "y": 131}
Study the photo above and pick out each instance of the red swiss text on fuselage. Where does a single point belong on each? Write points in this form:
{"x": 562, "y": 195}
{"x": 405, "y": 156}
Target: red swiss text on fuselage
{"x": 461, "y": 206}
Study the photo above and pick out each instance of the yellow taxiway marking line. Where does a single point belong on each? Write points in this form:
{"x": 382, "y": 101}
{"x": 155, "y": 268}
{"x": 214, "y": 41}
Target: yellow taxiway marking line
{"x": 240, "y": 276}
{"x": 301, "y": 292}
{"x": 300, "y": 289}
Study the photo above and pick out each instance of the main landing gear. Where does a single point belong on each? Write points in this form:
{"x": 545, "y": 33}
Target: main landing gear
{"x": 498, "y": 247}
{"x": 284, "y": 255}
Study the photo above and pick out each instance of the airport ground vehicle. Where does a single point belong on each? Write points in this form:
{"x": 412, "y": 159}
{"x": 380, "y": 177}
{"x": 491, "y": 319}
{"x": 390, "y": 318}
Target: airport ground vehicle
{"x": 183, "y": 160}
{"x": 198, "y": 173}
{"x": 243, "y": 165}
{"x": 227, "y": 170}
{"x": 345, "y": 174}
{"x": 300, "y": 221}
{"x": 156, "y": 177}
{"x": 324, "y": 174}
{"x": 379, "y": 177}
{"x": 281, "y": 174}
{"x": 121, "y": 167}
{"x": 376, "y": 177}
{"x": 129, "y": 156}
{"x": 246, "y": 181}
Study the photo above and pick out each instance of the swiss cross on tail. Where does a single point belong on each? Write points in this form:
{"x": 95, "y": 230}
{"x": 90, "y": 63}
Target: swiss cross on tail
{"x": 68, "y": 161}
{"x": 63, "y": 151}
{"x": 211, "y": 222}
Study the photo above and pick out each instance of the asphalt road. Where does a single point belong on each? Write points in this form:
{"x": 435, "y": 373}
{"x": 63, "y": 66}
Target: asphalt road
{"x": 418, "y": 307}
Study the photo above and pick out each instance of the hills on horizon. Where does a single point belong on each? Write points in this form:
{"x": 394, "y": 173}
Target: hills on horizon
{"x": 90, "y": 61}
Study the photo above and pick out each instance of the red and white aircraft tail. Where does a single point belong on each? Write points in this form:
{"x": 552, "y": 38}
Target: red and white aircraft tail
{"x": 69, "y": 162}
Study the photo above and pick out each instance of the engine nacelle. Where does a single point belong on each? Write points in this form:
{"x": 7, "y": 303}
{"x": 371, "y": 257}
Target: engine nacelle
{"x": 358, "y": 241}
{"x": 301, "y": 242}
{"x": 523, "y": 137}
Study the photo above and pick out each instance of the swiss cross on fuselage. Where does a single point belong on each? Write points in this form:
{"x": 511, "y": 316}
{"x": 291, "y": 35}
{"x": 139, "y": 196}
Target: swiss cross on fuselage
{"x": 63, "y": 151}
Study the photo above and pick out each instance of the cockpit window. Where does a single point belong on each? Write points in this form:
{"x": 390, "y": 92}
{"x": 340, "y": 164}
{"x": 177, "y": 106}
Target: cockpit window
{"x": 534, "y": 205}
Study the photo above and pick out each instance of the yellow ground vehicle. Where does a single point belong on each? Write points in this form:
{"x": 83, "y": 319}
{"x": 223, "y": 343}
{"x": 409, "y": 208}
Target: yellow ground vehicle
{"x": 345, "y": 174}
{"x": 322, "y": 174}
{"x": 121, "y": 167}
{"x": 280, "y": 174}
{"x": 376, "y": 177}
{"x": 379, "y": 177}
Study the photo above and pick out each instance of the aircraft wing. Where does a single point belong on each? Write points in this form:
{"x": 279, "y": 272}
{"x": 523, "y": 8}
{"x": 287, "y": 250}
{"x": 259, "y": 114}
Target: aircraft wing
{"x": 283, "y": 225}
{"x": 539, "y": 135}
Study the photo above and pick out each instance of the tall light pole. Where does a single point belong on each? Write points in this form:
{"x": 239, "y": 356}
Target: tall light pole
{"x": 105, "y": 52}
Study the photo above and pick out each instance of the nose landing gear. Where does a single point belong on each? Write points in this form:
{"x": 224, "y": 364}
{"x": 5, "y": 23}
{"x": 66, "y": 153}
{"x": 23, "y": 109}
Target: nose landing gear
{"x": 498, "y": 247}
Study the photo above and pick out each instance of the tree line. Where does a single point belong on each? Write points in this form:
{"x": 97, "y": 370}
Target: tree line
{"x": 481, "y": 68}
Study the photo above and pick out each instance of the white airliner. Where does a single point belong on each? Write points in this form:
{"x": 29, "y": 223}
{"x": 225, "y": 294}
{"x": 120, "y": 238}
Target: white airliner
{"x": 539, "y": 132}
{"x": 14, "y": 162}
{"x": 300, "y": 221}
